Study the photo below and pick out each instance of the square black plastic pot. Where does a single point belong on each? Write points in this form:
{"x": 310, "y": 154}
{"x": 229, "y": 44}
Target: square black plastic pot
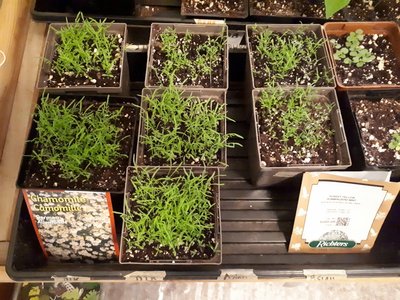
{"x": 217, "y": 95}
{"x": 262, "y": 176}
{"x": 281, "y": 28}
{"x": 113, "y": 102}
{"x": 50, "y": 48}
{"x": 354, "y": 132}
{"x": 200, "y": 29}
{"x": 173, "y": 171}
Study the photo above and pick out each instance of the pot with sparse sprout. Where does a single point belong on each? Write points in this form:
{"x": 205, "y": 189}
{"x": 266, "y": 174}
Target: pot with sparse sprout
{"x": 171, "y": 216}
{"x": 79, "y": 143}
{"x": 374, "y": 129}
{"x": 237, "y": 9}
{"x": 183, "y": 127}
{"x": 294, "y": 130}
{"x": 365, "y": 55}
{"x": 287, "y": 55}
{"x": 187, "y": 55}
{"x": 84, "y": 56}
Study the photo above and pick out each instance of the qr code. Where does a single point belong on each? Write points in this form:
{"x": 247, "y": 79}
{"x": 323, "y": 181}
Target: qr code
{"x": 342, "y": 221}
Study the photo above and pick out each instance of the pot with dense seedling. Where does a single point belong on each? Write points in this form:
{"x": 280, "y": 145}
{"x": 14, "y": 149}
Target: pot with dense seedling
{"x": 187, "y": 55}
{"x": 288, "y": 55}
{"x": 365, "y": 55}
{"x": 294, "y": 130}
{"x": 183, "y": 127}
{"x": 85, "y": 56}
{"x": 79, "y": 143}
{"x": 171, "y": 216}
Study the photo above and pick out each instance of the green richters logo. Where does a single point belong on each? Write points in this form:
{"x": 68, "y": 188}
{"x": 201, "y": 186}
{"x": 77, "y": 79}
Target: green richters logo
{"x": 332, "y": 244}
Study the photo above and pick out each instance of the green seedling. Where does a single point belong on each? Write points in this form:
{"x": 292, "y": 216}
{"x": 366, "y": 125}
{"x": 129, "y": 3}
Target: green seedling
{"x": 177, "y": 50}
{"x": 86, "y": 46}
{"x": 169, "y": 212}
{"x": 395, "y": 142}
{"x": 353, "y": 52}
{"x": 286, "y": 52}
{"x": 184, "y": 129}
{"x": 295, "y": 119}
{"x": 73, "y": 137}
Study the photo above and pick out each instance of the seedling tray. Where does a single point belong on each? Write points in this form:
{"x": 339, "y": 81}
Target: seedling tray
{"x": 256, "y": 222}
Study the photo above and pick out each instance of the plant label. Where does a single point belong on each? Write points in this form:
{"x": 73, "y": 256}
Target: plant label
{"x": 70, "y": 278}
{"x": 237, "y": 274}
{"x": 73, "y": 225}
{"x": 340, "y": 214}
{"x": 324, "y": 275}
{"x": 146, "y": 276}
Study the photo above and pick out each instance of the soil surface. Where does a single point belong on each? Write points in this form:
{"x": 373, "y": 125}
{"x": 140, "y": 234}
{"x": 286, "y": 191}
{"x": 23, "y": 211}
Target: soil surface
{"x": 377, "y": 121}
{"x": 299, "y": 8}
{"x": 195, "y": 252}
{"x": 275, "y": 8}
{"x": 216, "y": 79}
{"x": 303, "y": 74}
{"x": 102, "y": 179}
{"x": 315, "y": 9}
{"x": 273, "y": 154}
{"x": 358, "y": 10}
{"x": 94, "y": 78}
{"x": 226, "y": 7}
{"x": 388, "y": 10}
{"x": 384, "y": 69}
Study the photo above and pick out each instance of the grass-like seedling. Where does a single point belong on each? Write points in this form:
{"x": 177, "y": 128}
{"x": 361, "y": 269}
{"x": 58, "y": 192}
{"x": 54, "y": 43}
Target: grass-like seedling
{"x": 288, "y": 51}
{"x": 73, "y": 137}
{"x": 86, "y": 46}
{"x": 184, "y": 130}
{"x": 169, "y": 212}
{"x": 295, "y": 119}
{"x": 352, "y": 52}
{"x": 185, "y": 55}
{"x": 395, "y": 142}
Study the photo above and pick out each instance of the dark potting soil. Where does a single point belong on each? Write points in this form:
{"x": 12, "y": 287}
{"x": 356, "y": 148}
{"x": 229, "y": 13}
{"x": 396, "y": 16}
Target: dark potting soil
{"x": 377, "y": 121}
{"x": 102, "y": 179}
{"x": 272, "y": 149}
{"x": 359, "y": 10}
{"x": 182, "y": 76}
{"x": 304, "y": 73}
{"x": 226, "y": 7}
{"x": 388, "y": 10}
{"x": 196, "y": 251}
{"x": 384, "y": 69}
{"x": 94, "y": 78}
{"x": 275, "y": 8}
{"x": 315, "y": 9}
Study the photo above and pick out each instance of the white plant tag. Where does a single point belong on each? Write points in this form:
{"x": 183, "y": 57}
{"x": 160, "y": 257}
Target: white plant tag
{"x": 146, "y": 276}
{"x": 324, "y": 275}
{"x": 237, "y": 274}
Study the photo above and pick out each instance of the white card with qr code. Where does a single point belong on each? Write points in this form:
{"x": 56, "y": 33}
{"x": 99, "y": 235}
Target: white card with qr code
{"x": 339, "y": 211}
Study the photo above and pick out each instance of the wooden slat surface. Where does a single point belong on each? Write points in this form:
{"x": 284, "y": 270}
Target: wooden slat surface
{"x": 14, "y": 22}
{"x": 24, "y": 100}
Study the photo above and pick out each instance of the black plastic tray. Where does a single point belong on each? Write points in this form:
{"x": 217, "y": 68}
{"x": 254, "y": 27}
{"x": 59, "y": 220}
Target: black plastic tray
{"x": 256, "y": 222}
